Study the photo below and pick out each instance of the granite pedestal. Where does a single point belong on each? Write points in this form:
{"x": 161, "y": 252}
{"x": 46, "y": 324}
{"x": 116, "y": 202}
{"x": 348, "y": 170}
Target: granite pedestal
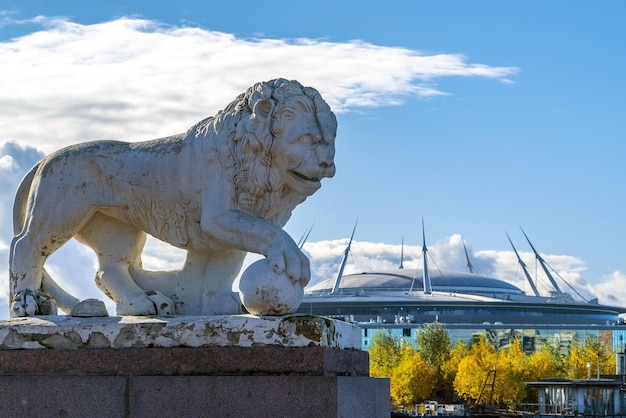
{"x": 222, "y": 366}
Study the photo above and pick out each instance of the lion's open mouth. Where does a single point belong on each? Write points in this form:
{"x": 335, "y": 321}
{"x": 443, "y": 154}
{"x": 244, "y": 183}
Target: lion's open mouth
{"x": 305, "y": 178}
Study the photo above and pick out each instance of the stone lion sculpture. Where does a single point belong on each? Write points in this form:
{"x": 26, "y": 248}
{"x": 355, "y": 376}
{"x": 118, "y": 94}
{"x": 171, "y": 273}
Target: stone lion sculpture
{"x": 225, "y": 187}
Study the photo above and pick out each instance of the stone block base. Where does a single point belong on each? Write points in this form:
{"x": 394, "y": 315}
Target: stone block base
{"x": 194, "y": 396}
{"x": 239, "y": 366}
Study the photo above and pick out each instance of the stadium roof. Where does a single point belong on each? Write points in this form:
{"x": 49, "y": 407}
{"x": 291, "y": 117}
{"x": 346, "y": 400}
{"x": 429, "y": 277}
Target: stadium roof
{"x": 411, "y": 280}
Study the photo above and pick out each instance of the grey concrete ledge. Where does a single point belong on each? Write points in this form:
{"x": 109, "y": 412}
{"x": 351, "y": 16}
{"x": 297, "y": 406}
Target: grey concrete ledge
{"x": 65, "y": 332}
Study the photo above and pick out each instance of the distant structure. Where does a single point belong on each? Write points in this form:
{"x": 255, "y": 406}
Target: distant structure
{"x": 468, "y": 304}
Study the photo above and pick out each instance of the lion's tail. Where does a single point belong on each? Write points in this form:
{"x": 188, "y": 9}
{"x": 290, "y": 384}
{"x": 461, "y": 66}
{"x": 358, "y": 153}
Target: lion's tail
{"x": 21, "y": 200}
{"x": 64, "y": 300}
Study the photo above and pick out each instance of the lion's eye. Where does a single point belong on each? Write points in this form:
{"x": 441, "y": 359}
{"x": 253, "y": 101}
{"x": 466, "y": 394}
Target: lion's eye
{"x": 306, "y": 140}
{"x": 309, "y": 139}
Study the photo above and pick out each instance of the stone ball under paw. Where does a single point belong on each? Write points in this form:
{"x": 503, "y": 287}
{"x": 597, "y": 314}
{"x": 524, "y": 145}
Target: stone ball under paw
{"x": 264, "y": 292}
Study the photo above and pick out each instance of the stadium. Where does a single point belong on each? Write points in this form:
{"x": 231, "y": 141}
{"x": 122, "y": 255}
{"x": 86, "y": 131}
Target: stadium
{"x": 467, "y": 304}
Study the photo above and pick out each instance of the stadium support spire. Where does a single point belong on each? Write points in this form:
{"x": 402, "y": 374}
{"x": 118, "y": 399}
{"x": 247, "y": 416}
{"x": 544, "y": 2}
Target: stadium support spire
{"x": 542, "y": 262}
{"x": 402, "y": 255}
{"x": 469, "y": 263}
{"x": 524, "y": 269}
{"x": 305, "y": 236}
{"x": 343, "y": 261}
{"x": 428, "y": 289}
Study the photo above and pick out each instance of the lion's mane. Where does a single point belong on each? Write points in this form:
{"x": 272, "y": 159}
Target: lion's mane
{"x": 246, "y": 139}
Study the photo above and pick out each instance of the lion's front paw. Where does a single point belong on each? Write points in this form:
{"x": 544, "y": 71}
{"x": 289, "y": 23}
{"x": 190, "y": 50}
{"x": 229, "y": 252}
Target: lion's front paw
{"x": 30, "y": 303}
{"x": 284, "y": 256}
{"x": 147, "y": 303}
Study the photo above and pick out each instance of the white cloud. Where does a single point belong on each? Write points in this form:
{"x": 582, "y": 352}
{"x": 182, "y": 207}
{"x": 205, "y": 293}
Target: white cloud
{"x": 8, "y": 163}
{"x": 138, "y": 79}
{"x": 326, "y": 256}
{"x": 159, "y": 256}
{"x": 611, "y": 288}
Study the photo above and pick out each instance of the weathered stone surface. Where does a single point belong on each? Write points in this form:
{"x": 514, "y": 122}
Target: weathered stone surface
{"x": 63, "y": 396}
{"x": 177, "y": 361}
{"x": 259, "y": 397}
{"x": 194, "y": 396}
{"x": 64, "y": 332}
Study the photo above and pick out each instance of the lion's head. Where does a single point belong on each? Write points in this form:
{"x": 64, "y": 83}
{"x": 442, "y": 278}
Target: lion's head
{"x": 280, "y": 138}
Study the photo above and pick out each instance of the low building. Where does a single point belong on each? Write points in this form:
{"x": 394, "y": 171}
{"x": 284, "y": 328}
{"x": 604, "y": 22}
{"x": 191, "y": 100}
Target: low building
{"x": 591, "y": 397}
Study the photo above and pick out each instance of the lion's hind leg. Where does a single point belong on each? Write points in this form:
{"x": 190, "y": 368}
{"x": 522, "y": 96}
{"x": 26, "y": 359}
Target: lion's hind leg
{"x": 118, "y": 247}
{"x": 49, "y": 223}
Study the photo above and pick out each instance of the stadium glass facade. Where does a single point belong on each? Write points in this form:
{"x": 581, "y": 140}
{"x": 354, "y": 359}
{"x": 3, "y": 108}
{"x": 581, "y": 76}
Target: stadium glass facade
{"x": 532, "y": 337}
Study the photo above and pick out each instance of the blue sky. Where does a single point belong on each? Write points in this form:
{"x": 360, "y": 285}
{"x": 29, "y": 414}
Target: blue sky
{"x": 478, "y": 116}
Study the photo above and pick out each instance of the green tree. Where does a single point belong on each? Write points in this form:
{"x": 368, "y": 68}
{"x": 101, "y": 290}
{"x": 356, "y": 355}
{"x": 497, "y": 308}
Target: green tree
{"x": 434, "y": 346}
{"x": 384, "y": 354}
{"x": 433, "y": 342}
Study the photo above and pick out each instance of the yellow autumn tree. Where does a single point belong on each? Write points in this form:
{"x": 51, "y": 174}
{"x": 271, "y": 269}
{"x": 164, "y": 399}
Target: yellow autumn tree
{"x": 589, "y": 359}
{"x": 577, "y": 361}
{"x": 412, "y": 380}
{"x": 511, "y": 375}
{"x": 602, "y": 355}
{"x": 411, "y": 377}
{"x": 457, "y": 353}
{"x": 546, "y": 363}
{"x": 485, "y": 375}
{"x": 474, "y": 373}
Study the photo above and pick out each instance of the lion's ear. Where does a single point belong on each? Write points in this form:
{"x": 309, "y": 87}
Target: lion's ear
{"x": 263, "y": 108}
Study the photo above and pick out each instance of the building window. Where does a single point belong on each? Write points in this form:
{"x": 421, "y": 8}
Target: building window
{"x": 406, "y": 332}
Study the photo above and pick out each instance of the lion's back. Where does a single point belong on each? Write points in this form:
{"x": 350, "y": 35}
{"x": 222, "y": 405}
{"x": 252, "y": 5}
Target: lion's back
{"x": 115, "y": 169}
